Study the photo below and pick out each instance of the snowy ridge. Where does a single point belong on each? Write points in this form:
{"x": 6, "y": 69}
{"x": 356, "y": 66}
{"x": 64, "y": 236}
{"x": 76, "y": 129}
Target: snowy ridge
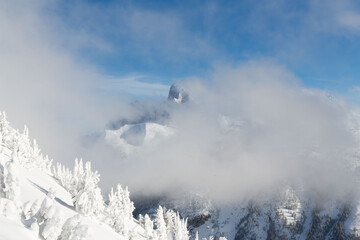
{"x": 130, "y": 136}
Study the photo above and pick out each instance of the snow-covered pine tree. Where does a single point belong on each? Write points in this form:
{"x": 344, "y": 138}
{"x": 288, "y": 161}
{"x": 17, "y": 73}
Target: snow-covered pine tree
{"x": 82, "y": 184}
{"x": 38, "y": 159}
{"x": 120, "y": 209}
{"x": 46, "y": 164}
{"x": 170, "y": 217}
{"x": 74, "y": 229}
{"x": 128, "y": 204}
{"x": 69, "y": 226}
{"x": 25, "y": 144}
{"x": 176, "y": 227}
{"x": 4, "y": 127}
{"x": 51, "y": 228}
{"x": 36, "y": 150}
{"x": 78, "y": 177}
{"x": 149, "y": 228}
{"x": 161, "y": 230}
{"x": 2, "y": 178}
{"x": 11, "y": 179}
{"x": 141, "y": 220}
{"x": 89, "y": 200}
{"x": 180, "y": 228}
{"x": 63, "y": 175}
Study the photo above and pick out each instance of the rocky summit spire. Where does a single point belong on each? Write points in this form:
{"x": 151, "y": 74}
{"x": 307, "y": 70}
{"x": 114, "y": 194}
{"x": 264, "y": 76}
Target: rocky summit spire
{"x": 178, "y": 94}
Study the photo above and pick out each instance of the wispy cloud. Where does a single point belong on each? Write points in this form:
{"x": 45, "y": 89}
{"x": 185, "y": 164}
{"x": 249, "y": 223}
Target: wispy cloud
{"x": 355, "y": 89}
{"x": 44, "y": 85}
{"x": 136, "y": 86}
{"x": 131, "y": 30}
{"x": 350, "y": 20}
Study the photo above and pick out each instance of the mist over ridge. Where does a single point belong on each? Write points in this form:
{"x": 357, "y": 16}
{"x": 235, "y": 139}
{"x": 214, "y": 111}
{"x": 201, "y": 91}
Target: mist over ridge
{"x": 249, "y": 127}
{"x": 254, "y": 129}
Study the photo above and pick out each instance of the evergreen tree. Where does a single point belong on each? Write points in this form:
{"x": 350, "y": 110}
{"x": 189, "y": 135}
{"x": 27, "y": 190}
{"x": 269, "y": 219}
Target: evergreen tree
{"x": 161, "y": 230}
{"x": 74, "y": 229}
{"x": 141, "y": 220}
{"x": 51, "y": 228}
{"x": 120, "y": 209}
{"x": 89, "y": 200}
{"x": 78, "y": 177}
{"x": 24, "y": 144}
{"x": 63, "y": 175}
{"x": 11, "y": 179}
{"x": 2, "y": 179}
{"x": 4, "y": 127}
{"x": 169, "y": 217}
{"x": 180, "y": 225}
{"x": 149, "y": 228}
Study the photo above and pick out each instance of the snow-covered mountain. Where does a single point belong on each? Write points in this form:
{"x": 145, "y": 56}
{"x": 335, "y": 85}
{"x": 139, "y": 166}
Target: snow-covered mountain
{"x": 43, "y": 200}
{"x": 152, "y": 124}
{"x": 289, "y": 213}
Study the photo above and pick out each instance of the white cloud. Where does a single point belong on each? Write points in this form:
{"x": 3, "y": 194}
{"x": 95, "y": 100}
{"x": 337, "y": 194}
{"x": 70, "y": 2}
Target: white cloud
{"x": 44, "y": 85}
{"x": 287, "y": 135}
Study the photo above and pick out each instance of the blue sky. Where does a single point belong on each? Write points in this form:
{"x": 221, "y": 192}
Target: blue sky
{"x": 164, "y": 41}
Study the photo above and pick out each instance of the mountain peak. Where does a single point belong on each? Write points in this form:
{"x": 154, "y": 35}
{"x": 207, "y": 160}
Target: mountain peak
{"x": 178, "y": 94}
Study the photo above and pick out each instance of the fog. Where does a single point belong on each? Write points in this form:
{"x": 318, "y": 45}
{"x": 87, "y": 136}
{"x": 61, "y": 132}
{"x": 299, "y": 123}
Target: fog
{"x": 249, "y": 130}
{"x": 246, "y": 129}
{"x": 45, "y": 85}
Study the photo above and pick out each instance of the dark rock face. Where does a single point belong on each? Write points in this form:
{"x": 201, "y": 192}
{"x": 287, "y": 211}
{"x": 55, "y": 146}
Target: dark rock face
{"x": 199, "y": 220}
{"x": 178, "y": 94}
{"x": 152, "y": 112}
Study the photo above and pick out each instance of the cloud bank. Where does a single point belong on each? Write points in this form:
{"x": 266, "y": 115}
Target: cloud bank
{"x": 45, "y": 85}
{"x": 248, "y": 129}
{"x": 253, "y": 129}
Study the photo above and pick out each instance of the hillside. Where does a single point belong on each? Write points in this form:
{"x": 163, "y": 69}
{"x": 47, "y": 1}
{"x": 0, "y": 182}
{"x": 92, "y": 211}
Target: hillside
{"x": 39, "y": 201}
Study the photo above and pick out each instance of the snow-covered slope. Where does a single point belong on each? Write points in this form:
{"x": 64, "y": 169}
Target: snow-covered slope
{"x": 34, "y": 187}
{"x": 40, "y": 202}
